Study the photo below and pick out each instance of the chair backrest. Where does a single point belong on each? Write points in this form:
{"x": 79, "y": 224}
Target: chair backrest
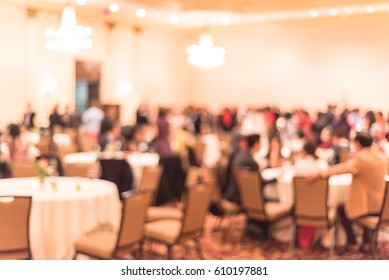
{"x": 197, "y": 201}
{"x": 192, "y": 175}
{"x": 344, "y": 155}
{"x": 209, "y": 174}
{"x": 250, "y": 191}
{"x": 150, "y": 177}
{"x": 311, "y": 201}
{"x": 24, "y": 169}
{"x": 14, "y": 227}
{"x": 135, "y": 204}
{"x": 384, "y": 218}
{"x": 87, "y": 170}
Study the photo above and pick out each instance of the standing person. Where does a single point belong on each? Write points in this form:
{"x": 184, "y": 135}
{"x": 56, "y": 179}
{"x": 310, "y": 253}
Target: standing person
{"x": 162, "y": 141}
{"x": 92, "y": 118}
{"x": 55, "y": 117}
{"x": 28, "y": 117}
{"x": 143, "y": 114}
{"x": 109, "y": 119}
{"x": 366, "y": 193}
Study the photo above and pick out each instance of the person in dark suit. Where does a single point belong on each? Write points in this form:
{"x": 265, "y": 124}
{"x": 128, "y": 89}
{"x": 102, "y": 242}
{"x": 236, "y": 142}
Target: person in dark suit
{"x": 28, "y": 117}
{"x": 244, "y": 158}
{"x": 55, "y": 118}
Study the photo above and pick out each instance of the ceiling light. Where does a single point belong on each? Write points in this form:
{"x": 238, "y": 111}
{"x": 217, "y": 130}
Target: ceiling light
{"x": 333, "y": 12}
{"x": 313, "y": 14}
{"x": 69, "y": 38}
{"x": 225, "y": 20}
{"x": 175, "y": 20}
{"x": 141, "y": 13}
{"x": 82, "y": 2}
{"x": 348, "y": 11}
{"x": 113, "y": 8}
{"x": 369, "y": 9}
{"x": 205, "y": 55}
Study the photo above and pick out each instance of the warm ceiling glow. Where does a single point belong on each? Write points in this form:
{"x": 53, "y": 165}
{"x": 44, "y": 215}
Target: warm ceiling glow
{"x": 82, "y": 2}
{"x": 348, "y": 11}
{"x": 113, "y": 8}
{"x": 313, "y": 14}
{"x": 333, "y": 12}
{"x": 141, "y": 13}
{"x": 369, "y": 9}
{"x": 175, "y": 20}
{"x": 225, "y": 20}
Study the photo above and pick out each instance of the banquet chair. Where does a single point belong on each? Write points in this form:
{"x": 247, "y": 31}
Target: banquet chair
{"x": 311, "y": 209}
{"x": 376, "y": 221}
{"x": 252, "y": 200}
{"x": 344, "y": 155}
{"x": 106, "y": 243}
{"x": 151, "y": 176}
{"x": 24, "y": 169}
{"x": 86, "y": 170}
{"x": 64, "y": 150}
{"x": 14, "y": 227}
{"x": 221, "y": 208}
{"x": 173, "y": 231}
{"x": 155, "y": 213}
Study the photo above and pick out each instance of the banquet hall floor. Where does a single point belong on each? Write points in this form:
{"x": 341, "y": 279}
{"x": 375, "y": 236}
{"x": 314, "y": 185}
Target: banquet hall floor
{"x": 228, "y": 243}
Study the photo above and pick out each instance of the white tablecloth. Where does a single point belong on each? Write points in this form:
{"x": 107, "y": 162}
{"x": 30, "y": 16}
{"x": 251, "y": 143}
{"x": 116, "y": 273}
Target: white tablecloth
{"x": 60, "y": 217}
{"x": 136, "y": 160}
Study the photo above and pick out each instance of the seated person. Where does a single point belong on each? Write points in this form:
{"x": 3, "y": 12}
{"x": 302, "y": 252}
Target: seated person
{"x": 111, "y": 140}
{"x": 244, "y": 158}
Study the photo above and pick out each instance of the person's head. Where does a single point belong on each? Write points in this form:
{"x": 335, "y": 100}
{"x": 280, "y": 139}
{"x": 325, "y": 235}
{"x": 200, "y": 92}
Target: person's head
{"x": 14, "y": 130}
{"x": 362, "y": 140}
{"x": 116, "y": 130}
{"x": 309, "y": 149}
{"x": 253, "y": 142}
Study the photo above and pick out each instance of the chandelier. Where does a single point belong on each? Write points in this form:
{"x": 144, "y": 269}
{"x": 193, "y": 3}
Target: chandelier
{"x": 205, "y": 55}
{"x": 69, "y": 38}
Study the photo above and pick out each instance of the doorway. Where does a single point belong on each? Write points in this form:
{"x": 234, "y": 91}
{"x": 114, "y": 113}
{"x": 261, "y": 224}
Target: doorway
{"x": 87, "y": 84}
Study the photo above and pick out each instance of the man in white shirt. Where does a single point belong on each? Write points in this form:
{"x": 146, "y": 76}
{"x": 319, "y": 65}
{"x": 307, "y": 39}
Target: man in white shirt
{"x": 92, "y": 118}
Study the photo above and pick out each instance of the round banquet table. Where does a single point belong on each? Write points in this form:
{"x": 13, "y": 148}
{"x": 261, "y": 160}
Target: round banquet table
{"x": 62, "y": 213}
{"x": 136, "y": 160}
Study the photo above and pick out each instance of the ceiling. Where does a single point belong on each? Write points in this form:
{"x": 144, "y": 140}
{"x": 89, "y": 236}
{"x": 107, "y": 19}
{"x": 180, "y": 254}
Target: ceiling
{"x": 206, "y": 13}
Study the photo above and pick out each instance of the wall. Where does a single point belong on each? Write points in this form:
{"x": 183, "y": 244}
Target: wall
{"x": 307, "y": 63}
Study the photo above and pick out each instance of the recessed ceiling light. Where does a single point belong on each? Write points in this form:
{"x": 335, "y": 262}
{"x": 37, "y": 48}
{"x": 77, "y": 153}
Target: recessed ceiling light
{"x": 313, "y": 14}
{"x": 82, "y": 2}
{"x": 333, "y": 12}
{"x": 141, "y": 13}
{"x": 369, "y": 9}
{"x": 113, "y": 8}
{"x": 175, "y": 20}
{"x": 225, "y": 20}
{"x": 348, "y": 11}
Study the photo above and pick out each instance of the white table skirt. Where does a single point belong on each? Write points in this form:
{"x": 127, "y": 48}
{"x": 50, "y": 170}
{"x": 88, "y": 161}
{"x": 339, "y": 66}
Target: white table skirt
{"x": 60, "y": 217}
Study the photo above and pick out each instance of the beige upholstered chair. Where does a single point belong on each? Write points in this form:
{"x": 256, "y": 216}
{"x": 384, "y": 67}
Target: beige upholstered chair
{"x": 226, "y": 208}
{"x": 311, "y": 208}
{"x": 24, "y": 169}
{"x": 14, "y": 227}
{"x": 252, "y": 199}
{"x": 86, "y": 143}
{"x": 104, "y": 243}
{"x": 168, "y": 212}
{"x": 64, "y": 150}
{"x": 376, "y": 221}
{"x": 172, "y": 231}
{"x": 150, "y": 177}
{"x": 87, "y": 170}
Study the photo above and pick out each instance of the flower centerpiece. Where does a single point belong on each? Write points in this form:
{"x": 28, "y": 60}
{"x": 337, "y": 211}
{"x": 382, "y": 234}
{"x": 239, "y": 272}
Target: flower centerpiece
{"x": 44, "y": 169}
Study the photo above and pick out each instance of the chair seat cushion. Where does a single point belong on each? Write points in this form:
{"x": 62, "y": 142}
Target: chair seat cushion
{"x": 160, "y": 213}
{"x": 166, "y": 231}
{"x": 230, "y": 207}
{"x": 275, "y": 210}
{"x": 99, "y": 244}
{"x": 369, "y": 222}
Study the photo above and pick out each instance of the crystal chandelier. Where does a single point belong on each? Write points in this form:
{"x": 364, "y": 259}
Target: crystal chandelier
{"x": 205, "y": 55}
{"x": 69, "y": 38}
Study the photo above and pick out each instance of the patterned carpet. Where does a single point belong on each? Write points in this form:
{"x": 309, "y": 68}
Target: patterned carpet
{"x": 230, "y": 243}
